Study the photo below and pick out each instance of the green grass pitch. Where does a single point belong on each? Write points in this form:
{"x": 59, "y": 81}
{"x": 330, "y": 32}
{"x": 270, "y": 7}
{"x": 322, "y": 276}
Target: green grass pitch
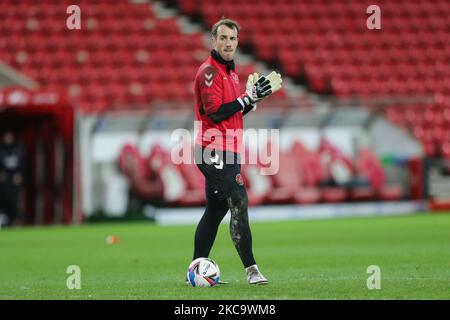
{"x": 318, "y": 259}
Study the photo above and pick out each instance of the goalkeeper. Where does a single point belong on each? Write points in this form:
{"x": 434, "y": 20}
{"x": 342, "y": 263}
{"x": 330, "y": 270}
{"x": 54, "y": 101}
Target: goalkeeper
{"x": 219, "y": 108}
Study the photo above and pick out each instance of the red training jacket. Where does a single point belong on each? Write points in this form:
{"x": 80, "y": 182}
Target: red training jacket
{"x": 213, "y": 87}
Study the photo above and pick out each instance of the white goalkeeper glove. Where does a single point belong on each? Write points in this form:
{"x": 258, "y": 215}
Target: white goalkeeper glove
{"x": 252, "y": 78}
{"x": 249, "y": 98}
{"x": 275, "y": 81}
{"x": 259, "y": 88}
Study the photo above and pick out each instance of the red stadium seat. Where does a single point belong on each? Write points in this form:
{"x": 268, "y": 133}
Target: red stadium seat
{"x": 310, "y": 172}
{"x": 143, "y": 181}
{"x": 177, "y": 188}
{"x": 286, "y": 182}
{"x": 124, "y": 43}
{"x": 258, "y": 186}
{"x": 335, "y": 25}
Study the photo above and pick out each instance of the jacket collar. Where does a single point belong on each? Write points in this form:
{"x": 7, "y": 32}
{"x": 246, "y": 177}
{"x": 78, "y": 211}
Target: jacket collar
{"x": 229, "y": 64}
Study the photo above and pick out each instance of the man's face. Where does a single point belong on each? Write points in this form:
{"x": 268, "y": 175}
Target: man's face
{"x": 226, "y": 41}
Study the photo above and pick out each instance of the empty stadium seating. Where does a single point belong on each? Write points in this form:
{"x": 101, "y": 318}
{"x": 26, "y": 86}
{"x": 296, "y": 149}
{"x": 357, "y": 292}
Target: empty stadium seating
{"x": 144, "y": 182}
{"x": 126, "y": 57}
{"x": 304, "y": 177}
{"x": 123, "y": 57}
{"x": 428, "y": 123}
{"x": 120, "y": 55}
{"x": 328, "y": 43}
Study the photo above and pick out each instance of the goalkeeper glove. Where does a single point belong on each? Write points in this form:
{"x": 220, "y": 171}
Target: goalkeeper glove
{"x": 248, "y": 99}
{"x": 259, "y": 88}
{"x": 256, "y": 89}
{"x": 252, "y": 78}
{"x": 275, "y": 81}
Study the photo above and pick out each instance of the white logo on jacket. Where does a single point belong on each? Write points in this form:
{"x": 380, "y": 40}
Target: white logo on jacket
{"x": 208, "y": 79}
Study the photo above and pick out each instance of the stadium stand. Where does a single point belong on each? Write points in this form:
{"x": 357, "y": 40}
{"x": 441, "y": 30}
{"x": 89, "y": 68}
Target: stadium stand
{"x": 305, "y": 176}
{"x": 327, "y": 46}
{"x": 118, "y": 58}
{"x": 145, "y": 182}
{"x": 126, "y": 57}
{"x": 429, "y": 123}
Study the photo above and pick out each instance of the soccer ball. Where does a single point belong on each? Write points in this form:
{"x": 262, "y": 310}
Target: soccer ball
{"x": 203, "y": 272}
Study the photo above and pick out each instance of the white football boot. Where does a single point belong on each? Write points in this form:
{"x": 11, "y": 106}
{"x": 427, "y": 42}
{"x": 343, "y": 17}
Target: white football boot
{"x": 254, "y": 276}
